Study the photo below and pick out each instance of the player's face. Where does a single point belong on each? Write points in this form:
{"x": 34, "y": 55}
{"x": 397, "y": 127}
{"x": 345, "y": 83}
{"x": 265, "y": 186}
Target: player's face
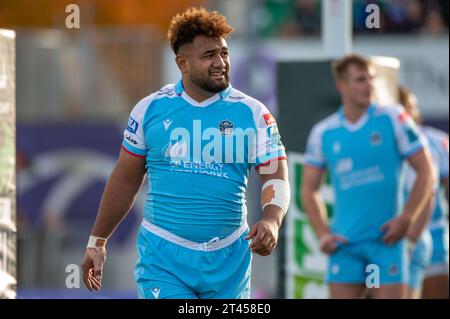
{"x": 209, "y": 64}
{"x": 357, "y": 87}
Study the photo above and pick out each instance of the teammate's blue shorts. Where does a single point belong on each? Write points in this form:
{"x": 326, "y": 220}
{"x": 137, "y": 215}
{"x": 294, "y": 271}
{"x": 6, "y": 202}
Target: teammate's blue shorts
{"x": 366, "y": 261}
{"x": 419, "y": 260}
{"x": 172, "y": 267}
{"x": 439, "y": 258}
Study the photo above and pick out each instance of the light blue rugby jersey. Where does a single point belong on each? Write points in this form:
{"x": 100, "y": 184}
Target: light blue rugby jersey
{"x": 438, "y": 141}
{"x": 198, "y": 157}
{"x": 364, "y": 160}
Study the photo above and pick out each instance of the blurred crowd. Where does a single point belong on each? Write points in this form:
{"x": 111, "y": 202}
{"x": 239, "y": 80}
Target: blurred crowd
{"x": 293, "y": 18}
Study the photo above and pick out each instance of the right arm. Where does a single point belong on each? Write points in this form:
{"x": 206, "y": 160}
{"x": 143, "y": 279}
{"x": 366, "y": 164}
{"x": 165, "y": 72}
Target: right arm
{"x": 315, "y": 209}
{"x": 117, "y": 200}
{"x": 312, "y": 200}
{"x": 315, "y": 165}
{"x": 119, "y": 194}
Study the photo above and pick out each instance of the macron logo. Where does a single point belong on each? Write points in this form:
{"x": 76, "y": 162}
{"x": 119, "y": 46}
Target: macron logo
{"x": 155, "y": 292}
{"x": 167, "y": 123}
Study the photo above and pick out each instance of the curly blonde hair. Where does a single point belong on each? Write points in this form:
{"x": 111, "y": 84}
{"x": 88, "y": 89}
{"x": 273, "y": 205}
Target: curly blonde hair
{"x": 186, "y": 26}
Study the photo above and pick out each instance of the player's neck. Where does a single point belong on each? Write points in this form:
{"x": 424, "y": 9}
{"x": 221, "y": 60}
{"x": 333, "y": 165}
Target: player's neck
{"x": 353, "y": 112}
{"x": 197, "y": 94}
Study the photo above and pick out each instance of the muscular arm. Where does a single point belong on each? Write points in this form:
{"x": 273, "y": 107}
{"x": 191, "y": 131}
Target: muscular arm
{"x": 272, "y": 212}
{"x": 119, "y": 194}
{"x": 118, "y": 197}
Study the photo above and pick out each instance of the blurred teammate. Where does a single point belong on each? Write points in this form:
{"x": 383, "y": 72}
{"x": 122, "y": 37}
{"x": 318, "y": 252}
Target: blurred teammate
{"x": 436, "y": 282}
{"x": 197, "y": 140}
{"x": 420, "y": 244}
{"x": 363, "y": 147}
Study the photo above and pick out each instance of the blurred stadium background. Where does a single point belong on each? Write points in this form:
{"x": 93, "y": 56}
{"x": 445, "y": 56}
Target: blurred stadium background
{"x": 76, "y": 87}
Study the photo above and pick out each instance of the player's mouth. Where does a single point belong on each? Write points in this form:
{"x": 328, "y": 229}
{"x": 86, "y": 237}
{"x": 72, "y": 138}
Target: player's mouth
{"x": 217, "y": 75}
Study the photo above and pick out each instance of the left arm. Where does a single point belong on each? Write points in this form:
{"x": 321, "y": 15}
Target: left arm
{"x": 264, "y": 234}
{"x": 422, "y": 189}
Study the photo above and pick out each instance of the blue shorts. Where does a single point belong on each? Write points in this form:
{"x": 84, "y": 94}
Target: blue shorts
{"x": 166, "y": 268}
{"x": 369, "y": 263}
{"x": 419, "y": 260}
{"x": 439, "y": 257}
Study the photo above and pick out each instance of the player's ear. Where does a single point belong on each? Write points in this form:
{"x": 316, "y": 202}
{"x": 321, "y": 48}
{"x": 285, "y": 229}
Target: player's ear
{"x": 182, "y": 63}
{"x": 339, "y": 85}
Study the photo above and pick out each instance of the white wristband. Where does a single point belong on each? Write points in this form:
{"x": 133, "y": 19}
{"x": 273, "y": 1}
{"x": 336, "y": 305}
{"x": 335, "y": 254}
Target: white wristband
{"x": 276, "y": 192}
{"x": 96, "y": 242}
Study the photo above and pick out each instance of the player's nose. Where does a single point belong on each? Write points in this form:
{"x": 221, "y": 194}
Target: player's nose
{"x": 219, "y": 62}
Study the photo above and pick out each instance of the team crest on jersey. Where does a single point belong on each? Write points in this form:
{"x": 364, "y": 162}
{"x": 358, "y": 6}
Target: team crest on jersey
{"x": 226, "y": 127}
{"x": 132, "y": 125}
{"x": 375, "y": 139}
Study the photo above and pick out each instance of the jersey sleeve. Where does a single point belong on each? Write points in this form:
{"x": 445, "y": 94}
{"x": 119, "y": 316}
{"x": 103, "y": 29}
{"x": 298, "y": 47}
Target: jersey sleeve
{"x": 268, "y": 145}
{"x": 133, "y": 136}
{"x": 314, "y": 153}
{"x": 408, "y": 136}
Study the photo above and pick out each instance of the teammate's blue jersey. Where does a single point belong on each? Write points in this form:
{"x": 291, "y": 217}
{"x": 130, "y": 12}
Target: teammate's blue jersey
{"x": 364, "y": 160}
{"x": 198, "y": 158}
{"x": 438, "y": 141}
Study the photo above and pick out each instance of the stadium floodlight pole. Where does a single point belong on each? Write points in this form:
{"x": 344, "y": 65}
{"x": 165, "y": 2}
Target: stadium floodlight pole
{"x": 336, "y": 27}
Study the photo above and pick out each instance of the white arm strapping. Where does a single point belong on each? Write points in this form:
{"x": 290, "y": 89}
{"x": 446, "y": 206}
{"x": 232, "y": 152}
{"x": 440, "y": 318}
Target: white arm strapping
{"x": 96, "y": 242}
{"x": 276, "y": 192}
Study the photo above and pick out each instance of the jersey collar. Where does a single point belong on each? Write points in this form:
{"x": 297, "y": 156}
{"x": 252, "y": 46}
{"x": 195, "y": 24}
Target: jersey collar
{"x": 361, "y": 121}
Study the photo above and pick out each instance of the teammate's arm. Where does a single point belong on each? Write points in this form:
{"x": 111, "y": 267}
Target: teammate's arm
{"x": 422, "y": 189}
{"x": 416, "y": 228}
{"x": 315, "y": 209}
{"x": 117, "y": 200}
{"x": 275, "y": 200}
